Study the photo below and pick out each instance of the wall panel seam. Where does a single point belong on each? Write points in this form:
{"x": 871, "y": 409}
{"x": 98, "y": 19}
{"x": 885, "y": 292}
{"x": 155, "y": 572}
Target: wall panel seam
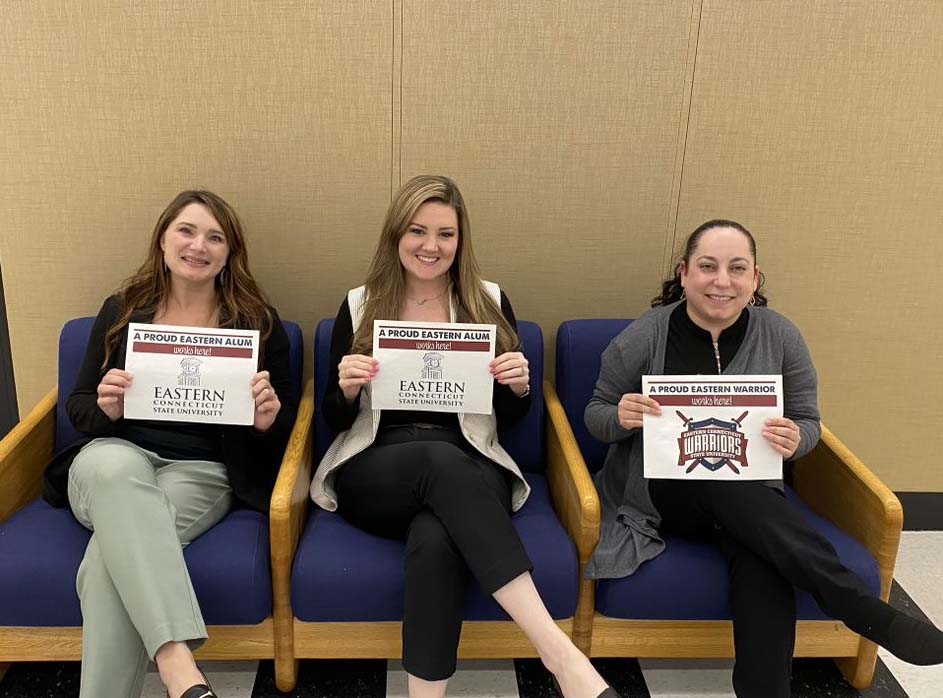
{"x": 684, "y": 122}
{"x": 396, "y": 98}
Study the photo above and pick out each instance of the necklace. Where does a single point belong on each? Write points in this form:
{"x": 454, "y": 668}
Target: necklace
{"x": 423, "y": 301}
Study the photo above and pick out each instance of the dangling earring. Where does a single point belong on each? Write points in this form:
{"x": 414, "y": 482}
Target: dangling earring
{"x": 753, "y": 299}
{"x": 682, "y": 294}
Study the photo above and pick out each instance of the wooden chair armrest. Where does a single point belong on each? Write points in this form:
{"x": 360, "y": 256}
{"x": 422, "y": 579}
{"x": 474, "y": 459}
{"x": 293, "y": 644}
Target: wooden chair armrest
{"x": 571, "y": 487}
{"x": 288, "y": 510}
{"x": 842, "y": 489}
{"x": 24, "y": 454}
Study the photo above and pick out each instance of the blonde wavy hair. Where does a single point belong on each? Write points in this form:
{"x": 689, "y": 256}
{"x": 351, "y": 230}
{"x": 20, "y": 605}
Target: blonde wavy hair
{"x": 386, "y": 279}
{"x": 241, "y": 302}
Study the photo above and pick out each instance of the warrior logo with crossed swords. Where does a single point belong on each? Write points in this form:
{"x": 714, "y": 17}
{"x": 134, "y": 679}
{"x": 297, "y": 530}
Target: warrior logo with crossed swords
{"x": 712, "y": 443}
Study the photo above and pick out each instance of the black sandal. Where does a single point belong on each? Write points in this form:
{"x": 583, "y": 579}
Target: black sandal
{"x": 610, "y": 692}
{"x": 200, "y": 690}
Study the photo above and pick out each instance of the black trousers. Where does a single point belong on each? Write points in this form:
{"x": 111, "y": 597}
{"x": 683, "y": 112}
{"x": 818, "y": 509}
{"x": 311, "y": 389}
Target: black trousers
{"x": 452, "y": 506}
{"x": 770, "y": 548}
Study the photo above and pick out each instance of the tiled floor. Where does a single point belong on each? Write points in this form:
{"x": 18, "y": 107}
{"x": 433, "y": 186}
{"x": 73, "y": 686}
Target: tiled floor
{"x": 919, "y": 575}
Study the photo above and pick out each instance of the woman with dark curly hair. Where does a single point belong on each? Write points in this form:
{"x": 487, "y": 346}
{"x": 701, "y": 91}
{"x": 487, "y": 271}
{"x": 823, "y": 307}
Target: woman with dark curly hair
{"x": 711, "y": 318}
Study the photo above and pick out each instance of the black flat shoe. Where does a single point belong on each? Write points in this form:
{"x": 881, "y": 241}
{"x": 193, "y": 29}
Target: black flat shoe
{"x": 912, "y": 639}
{"x": 201, "y": 690}
{"x": 608, "y": 693}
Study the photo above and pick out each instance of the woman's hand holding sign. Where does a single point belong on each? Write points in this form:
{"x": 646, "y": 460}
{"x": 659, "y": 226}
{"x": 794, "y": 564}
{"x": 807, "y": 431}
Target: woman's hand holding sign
{"x": 355, "y": 371}
{"x": 783, "y": 434}
{"x": 512, "y": 369}
{"x": 111, "y": 393}
{"x": 267, "y": 403}
{"x": 631, "y": 408}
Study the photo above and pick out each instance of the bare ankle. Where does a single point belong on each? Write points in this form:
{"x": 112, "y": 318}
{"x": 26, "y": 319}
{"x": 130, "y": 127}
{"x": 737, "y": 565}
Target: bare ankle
{"x": 560, "y": 656}
{"x": 177, "y": 668}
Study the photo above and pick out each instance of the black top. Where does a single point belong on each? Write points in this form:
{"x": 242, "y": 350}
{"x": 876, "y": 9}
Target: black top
{"x": 690, "y": 349}
{"x": 340, "y": 414}
{"x": 252, "y": 458}
{"x": 176, "y": 440}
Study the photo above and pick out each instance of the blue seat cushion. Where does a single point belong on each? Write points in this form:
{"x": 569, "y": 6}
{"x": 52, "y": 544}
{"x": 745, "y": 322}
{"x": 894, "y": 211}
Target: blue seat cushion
{"x": 580, "y": 344}
{"x": 41, "y": 548}
{"x": 689, "y": 580}
{"x": 343, "y": 574}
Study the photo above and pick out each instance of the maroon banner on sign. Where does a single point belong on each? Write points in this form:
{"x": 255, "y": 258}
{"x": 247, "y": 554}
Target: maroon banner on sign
{"x": 715, "y": 400}
{"x": 192, "y": 350}
{"x": 433, "y": 345}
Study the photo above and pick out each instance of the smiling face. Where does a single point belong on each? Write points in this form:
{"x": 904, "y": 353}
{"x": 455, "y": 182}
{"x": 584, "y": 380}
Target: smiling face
{"x": 194, "y": 246}
{"x": 428, "y": 247}
{"x": 719, "y": 278}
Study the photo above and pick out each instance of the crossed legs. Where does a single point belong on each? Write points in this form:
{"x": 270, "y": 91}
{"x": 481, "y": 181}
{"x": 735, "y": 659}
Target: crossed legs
{"x": 136, "y": 596}
{"x": 453, "y": 509}
{"x": 771, "y": 548}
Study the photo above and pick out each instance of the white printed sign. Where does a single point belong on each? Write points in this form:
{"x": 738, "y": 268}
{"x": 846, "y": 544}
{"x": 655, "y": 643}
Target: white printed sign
{"x": 434, "y": 366}
{"x": 191, "y": 374}
{"x": 711, "y": 427}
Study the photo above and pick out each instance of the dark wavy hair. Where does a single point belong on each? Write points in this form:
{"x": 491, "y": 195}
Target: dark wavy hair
{"x": 671, "y": 289}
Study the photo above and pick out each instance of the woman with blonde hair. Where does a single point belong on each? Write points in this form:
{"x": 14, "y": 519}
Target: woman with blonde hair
{"x": 439, "y": 481}
{"x": 145, "y": 488}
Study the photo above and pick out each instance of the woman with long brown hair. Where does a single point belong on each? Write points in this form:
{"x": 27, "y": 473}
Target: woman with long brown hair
{"x": 439, "y": 481}
{"x": 145, "y": 488}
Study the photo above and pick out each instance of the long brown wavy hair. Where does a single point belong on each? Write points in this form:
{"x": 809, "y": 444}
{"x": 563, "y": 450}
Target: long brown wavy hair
{"x": 386, "y": 279}
{"x": 242, "y": 304}
{"x": 671, "y": 289}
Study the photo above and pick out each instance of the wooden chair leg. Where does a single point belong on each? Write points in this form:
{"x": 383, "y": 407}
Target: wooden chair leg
{"x": 286, "y": 674}
{"x": 583, "y": 618}
{"x": 859, "y": 671}
{"x": 286, "y": 666}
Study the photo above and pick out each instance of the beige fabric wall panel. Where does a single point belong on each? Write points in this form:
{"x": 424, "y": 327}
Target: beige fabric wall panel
{"x": 112, "y": 107}
{"x": 817, "y": 125}
{"x": 560, "y": 123}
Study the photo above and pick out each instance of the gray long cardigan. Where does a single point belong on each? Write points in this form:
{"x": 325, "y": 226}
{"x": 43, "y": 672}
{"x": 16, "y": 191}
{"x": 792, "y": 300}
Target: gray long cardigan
{"x": 629, "y": 535}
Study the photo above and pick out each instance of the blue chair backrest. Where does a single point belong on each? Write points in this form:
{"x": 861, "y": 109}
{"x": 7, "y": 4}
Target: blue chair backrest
{"x": 74, "y": 338}
{"x": 524, "y": 441}
{"x": 580, "y": 344}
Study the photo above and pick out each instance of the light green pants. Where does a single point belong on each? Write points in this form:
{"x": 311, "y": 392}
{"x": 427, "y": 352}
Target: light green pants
{"x": 133, "y": 583}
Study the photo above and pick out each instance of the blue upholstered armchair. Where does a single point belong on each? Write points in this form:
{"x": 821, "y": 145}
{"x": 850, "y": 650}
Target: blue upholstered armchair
{"x": 340, "y": 593}
{"x": 41, "y": 547}
{"x": 677, "y": 604}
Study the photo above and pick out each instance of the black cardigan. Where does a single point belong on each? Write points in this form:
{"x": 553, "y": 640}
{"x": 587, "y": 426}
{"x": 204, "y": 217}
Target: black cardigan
{"x": 252, "y": 458}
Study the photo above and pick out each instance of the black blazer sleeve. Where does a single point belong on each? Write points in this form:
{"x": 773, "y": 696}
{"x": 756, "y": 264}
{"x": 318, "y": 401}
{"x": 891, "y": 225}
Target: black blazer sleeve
{"x": 508, "y": 407}
{"x": 82, "y": 406}
{"x": 338, "y": 413}
{"x": 276, "y": 360}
